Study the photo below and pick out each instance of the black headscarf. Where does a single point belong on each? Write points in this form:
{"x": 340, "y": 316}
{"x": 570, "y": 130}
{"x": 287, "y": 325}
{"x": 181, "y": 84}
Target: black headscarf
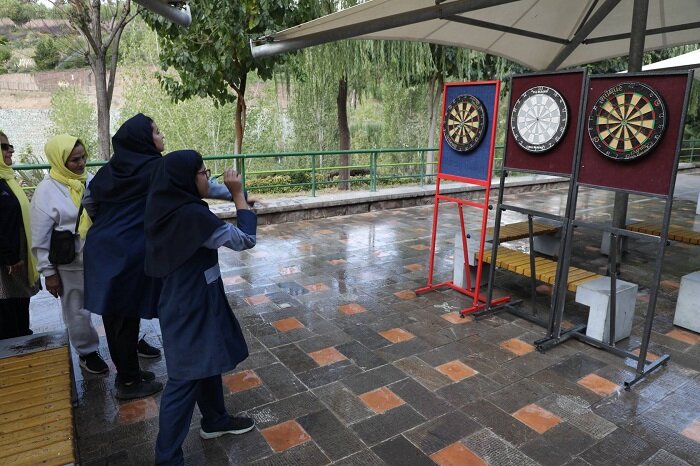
{"x": 127, "y": 175}
{"x": 177, "y": 220}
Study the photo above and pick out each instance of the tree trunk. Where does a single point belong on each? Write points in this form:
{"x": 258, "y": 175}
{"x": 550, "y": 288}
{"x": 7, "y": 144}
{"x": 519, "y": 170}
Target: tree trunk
{"x": 343, "y": 132}
{"x": 240, "y": 122}
{"x": 103, "y": 105}
{"x": 434, "y": 94}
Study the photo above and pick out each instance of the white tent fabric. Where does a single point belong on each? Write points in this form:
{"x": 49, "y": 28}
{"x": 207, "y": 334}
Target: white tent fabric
{"x": 687, "y": 61}
{"x": 529, "y": 32}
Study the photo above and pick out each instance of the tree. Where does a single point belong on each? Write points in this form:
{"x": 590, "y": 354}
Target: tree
{"x": 5, "y": 54}
{"x": 101, "y": 26}
{"x": 46, "y": 55}
{"x": 212, "y": 57}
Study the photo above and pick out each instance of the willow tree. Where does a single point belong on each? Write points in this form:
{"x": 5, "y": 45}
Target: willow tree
{"x": 212, "y": 57}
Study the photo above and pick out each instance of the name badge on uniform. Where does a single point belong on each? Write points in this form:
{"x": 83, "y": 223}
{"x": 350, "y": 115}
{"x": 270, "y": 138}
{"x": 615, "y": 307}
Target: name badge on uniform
{"x": 212, "y": 274}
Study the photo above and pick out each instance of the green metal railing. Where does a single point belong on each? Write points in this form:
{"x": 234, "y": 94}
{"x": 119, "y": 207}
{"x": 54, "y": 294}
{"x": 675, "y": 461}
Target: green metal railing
{"x": 374, "y": 167}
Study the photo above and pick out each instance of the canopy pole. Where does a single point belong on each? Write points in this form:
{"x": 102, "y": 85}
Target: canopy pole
{"x": 636, "y": 59}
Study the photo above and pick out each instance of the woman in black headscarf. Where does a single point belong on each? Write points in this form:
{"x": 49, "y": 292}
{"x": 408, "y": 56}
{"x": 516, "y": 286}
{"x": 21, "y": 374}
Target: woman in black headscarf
{"x": 201, "y": 336}
{"x": 115, "y": 284}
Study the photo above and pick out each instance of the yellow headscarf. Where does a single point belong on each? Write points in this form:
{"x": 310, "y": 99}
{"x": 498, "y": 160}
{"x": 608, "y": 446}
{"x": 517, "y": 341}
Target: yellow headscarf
{"x": 8, "y": 174}
{"x": 57, "y": 150}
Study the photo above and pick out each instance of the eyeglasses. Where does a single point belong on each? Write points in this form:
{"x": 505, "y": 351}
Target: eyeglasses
{"x": 206, "y": 172}
{"x": 4, "y": 146}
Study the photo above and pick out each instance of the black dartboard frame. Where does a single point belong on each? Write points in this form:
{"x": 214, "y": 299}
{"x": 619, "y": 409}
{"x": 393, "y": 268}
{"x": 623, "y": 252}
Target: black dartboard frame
{"x": 539, "y": 119}
{"x": 465, "y": 123}
{"x": 627, "y": 121}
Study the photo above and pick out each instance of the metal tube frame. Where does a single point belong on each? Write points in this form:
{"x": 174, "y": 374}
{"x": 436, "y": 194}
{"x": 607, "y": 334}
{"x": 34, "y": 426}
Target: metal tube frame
{"x": 643, "y": 367}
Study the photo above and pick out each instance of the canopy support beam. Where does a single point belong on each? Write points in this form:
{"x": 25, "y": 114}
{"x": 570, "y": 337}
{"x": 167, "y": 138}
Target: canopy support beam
{"x": 270, "y": 48}
{"x": 507, "y": 29}
{"x": 582, "y": 33}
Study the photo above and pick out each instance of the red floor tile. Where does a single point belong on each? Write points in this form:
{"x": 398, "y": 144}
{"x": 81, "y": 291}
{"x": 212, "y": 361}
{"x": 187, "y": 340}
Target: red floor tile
{"x": 327, "y": 356}
{"x": 599, "y": 385}
{"x": 456, "y": 370}
{"x": 289, "y": 270}
{"x": 137, "y": 410}
{"x": 685, "y": 336}
{"x": 455, "y": 318}
{"x": 397, "y": 335}
{"x": 317, "y": 287}
{"x": 537, "y": 418}
{"x": 405, "y": 294}
{"x": 235, "y": 280}
{"x": 414, "y": 267}
{"x": 457, "y": 455}
{"x": 241, "y": 381}
{"x": 286, "y": 435}
{"x": 693, "y": 431}
{"x": 256, "y": 299}
{"x": 352, "y": 308}
{"x": 517, "y": 347}
{"x": 285, "y": 325}
{"x": 381, "y": 400}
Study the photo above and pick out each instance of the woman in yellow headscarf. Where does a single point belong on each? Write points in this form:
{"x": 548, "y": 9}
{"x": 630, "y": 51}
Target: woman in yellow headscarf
{"x": 55, "y": 206}
{"x": 19, "y": 279}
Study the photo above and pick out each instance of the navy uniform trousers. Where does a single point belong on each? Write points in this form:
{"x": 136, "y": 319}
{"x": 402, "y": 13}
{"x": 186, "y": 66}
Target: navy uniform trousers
{"x": 177, "y": 404}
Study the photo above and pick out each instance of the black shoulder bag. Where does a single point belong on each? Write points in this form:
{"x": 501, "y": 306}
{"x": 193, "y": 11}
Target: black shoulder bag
{"x": 62, "y": 246}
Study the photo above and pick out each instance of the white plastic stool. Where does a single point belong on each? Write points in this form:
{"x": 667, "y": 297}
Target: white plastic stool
{"x": 687, "y": 309}
{"x": 458, "y": 277}
{"x": 596, "y": 295}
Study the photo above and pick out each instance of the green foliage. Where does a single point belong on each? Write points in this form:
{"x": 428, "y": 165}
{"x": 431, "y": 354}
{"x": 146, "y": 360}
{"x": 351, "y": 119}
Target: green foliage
{"x": 46, "y": 55}
{"x": 22, "y": 11}
{"x": 5, "y": 55}
{"x": 72, "y": 113}
{"x": 264, "y": 184}
{"x": 212, "y": 57}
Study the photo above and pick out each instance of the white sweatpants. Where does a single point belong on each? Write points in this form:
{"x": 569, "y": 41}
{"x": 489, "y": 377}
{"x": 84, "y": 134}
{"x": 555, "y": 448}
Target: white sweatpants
{"x": 78, "y": 320}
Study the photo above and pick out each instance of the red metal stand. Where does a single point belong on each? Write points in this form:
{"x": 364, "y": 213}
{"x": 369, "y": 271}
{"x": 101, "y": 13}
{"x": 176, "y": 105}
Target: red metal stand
{"x": 471, "y": 290}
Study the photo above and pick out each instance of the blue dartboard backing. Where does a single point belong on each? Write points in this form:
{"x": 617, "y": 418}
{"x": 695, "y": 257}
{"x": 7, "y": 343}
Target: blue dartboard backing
{"x": 475, "y": 163}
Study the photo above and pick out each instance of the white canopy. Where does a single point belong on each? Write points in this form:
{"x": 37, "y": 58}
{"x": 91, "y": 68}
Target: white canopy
{"x": 687, "y": 61}
{"x": 538, "y": 34}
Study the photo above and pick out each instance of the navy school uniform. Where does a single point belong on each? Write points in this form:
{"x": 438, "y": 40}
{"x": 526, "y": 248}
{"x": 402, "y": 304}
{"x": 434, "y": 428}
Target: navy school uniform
{"x": 201, "y": 336}
{"x": 201, "y": 340}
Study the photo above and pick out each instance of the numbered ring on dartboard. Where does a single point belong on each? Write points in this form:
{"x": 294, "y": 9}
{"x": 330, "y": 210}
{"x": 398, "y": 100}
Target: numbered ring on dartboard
{"x": 627, "y": 121}
{"x": 465, "y": 123}
{"x": 539, "y": 119}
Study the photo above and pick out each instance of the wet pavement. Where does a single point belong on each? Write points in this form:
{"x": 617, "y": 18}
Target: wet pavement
{"x": 349, "y": 366}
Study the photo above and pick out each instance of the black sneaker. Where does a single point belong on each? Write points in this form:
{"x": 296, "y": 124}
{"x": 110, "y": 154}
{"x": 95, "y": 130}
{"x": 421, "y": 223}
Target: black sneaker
{"x": 237, "y": 426}
{"x": 138, "y": 389}
{"x": 145, "y": 350}
{"x": 146, "y": 376}
{"x": 93, "y": 363}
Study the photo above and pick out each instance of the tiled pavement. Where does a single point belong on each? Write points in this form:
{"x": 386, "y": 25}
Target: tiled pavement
{"x": 349, "y": 366}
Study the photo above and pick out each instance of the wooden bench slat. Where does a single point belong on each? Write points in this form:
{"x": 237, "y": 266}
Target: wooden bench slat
{"x": 56, "y": 454}
{"x": 9, "y": 422}
{"x": 545, "y": 269}
{"x": 7, "y": 369}
{"x": 59, "y": 425}
{"x": 30, "y": 399}
{"x": 675, "y": 232}
{"x": 519, "y": 230}
{"x": 35, "y": 443}
{"x": 44, "y": 374}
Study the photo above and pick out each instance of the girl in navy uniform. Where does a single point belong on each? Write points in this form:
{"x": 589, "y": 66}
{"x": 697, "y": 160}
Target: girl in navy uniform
{"x": 201, "y": 336}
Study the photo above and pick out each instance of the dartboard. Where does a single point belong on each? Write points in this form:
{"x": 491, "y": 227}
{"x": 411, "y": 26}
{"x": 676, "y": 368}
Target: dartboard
{"x": 465, "y": 123}
{"x": 627, "y": 121}
{"x": 539, "y": 118}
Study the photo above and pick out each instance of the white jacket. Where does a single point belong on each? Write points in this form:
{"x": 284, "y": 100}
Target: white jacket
{"x": 52, "y": 208}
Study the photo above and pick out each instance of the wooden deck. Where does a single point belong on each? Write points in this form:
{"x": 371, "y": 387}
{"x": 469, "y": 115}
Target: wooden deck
{"x": 36, "y": 417}
{"x": 675, "y": 233}
{"x": 519, "y": 230}
{"x": 545, "y": 269}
